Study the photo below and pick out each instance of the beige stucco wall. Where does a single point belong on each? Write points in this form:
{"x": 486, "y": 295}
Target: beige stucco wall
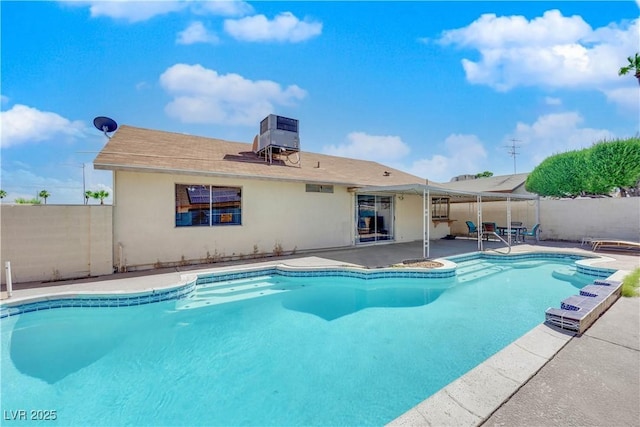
{"x": 522, "y": 211}
{"x": 410, "y": 220}
{"x": 273, "y": 214}
{"x": 615, "y": 218}
{"x": 49, "y": 242}
{"x": 567, "y": 219}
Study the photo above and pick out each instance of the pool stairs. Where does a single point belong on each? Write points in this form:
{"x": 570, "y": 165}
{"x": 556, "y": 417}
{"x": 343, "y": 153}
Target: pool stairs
{"x": 479, "y": 268}
{"x": 570, "y": 274}
{"x": 207, "y": 294}
{"x": 578, "y": 312}
{"x": 231, "y": 290}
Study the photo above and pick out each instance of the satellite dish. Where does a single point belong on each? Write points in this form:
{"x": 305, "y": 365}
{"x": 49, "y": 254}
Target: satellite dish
{"x": 105, "y": 124}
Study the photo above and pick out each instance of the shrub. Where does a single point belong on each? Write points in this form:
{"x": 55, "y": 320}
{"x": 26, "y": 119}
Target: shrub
{"x": 597, "y": 170}
{"x": 23, "y": 201}
{"x": 631, "y": 283}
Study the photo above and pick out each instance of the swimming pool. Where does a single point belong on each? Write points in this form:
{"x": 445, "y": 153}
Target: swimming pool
{"x": 309, "y": 351}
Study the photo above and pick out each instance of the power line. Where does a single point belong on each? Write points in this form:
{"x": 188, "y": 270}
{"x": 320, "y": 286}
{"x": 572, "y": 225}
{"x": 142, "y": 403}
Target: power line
{"x": 513, "y": 152}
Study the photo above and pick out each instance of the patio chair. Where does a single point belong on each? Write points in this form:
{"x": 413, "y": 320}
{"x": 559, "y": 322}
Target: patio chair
{"x": 472, "y": 228}
{"x": 489, "y": 228}
{"x": 531, "y": 233}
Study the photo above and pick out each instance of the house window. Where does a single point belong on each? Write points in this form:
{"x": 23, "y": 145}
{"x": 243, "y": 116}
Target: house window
{"x": 440, "y": 208}
{"x": 208, "y": 205}
{"x": 315, "y": 188}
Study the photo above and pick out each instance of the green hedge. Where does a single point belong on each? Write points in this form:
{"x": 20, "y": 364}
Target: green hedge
{"x": 597, "y": 170}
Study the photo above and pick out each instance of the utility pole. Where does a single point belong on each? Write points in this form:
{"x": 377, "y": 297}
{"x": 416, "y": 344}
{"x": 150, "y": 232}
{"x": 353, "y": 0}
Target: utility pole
{"x": 84, "y": 187}
{"x": 513, "y": 153}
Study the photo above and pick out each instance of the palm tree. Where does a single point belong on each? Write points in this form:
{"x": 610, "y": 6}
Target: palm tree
{"x": 87, "y": 195}
{"x": 3, "y": 194}
{"x": 102, "y": 194}
{"x": 44, "y": 194}
{"x": 634, "y": 66}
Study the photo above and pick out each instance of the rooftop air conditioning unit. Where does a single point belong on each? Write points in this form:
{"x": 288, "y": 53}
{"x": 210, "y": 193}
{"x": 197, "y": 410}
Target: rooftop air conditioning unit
{"x": 279, "y": 132}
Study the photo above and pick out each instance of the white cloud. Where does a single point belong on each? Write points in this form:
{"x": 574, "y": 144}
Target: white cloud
{"x": 626, "y": 98}
{"x": 196, "y": 33}
{"x": 22, "y": 124}
{"x": 464, "y": 154}
{"x": 202, "y": 95}
{"x": 131, "y": 11}
{"x": 550, "y": 51}
{"x": 554, "y": 133}
{"x": 384, "y": 149}
{"x": 283, "y": 28}
{"x": 549, "y": 100}
{"x": 222, "y": 8}
{"x": 143, "y": 10}
{"x": 493, "y": 32}
{"x": 547, "y": 135}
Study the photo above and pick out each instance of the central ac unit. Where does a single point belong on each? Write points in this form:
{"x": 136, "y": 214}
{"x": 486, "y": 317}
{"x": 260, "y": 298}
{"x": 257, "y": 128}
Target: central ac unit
{"x": 279, "y": 132}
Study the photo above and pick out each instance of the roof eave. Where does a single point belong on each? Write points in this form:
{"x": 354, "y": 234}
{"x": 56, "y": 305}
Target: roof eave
{"x": 147, "y": 169}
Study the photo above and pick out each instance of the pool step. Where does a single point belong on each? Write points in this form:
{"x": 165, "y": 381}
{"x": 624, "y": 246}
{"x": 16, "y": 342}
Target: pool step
{"x": 207, "y": 294}
{"x": 571, "y": 275}
{"x": 234, "y": 288}
{"x": 473, "y": 270}
{"x": 237, "y": 282}
{"x": 199, "y": 302}
{"x": 528, "y": 264}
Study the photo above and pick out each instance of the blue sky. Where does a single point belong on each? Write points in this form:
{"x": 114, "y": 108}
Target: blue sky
{"x": 437, "y": 89}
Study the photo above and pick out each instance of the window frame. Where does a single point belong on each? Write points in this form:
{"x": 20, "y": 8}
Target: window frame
{"x": 203, "y": 214}
{"x": 438, "y": 205}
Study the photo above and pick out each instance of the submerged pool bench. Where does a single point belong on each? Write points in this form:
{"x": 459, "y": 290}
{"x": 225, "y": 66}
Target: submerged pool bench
{"x": 578, "y": 312}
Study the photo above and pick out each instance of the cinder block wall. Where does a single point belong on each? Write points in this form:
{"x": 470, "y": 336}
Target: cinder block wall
{"x": 615, "y": 218}
{"x": 566, "y": 219}
{"x": 53, "y": 242}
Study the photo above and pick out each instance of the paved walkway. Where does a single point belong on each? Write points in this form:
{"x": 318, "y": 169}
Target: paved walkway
{"x": 593, "y": 381}
{"x": 546, "y": 378}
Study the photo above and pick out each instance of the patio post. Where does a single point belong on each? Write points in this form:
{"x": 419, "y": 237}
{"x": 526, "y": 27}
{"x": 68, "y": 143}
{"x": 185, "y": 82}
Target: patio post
{"x": 509, "y": 218}
{"x": 480, "y": 230}
{"x": 426, "y": 194}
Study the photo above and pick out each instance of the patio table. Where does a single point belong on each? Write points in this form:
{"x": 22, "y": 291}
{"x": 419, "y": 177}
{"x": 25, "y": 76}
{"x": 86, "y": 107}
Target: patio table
{"x": 519, "y": 229}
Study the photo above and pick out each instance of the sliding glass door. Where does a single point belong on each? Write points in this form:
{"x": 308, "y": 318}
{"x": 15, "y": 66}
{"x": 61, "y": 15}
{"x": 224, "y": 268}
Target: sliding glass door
{"x": 374, "y": 218}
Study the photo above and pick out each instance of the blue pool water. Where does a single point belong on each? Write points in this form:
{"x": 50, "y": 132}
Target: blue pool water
{"x": 312, "y": 351}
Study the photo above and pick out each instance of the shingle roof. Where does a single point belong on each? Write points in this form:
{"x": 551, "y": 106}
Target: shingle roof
{"x": 494, "y": 184}
{"x": 147, "y": 150}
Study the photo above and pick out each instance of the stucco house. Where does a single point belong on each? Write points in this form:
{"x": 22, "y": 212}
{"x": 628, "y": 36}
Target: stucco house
{"x": 182, "y": 199}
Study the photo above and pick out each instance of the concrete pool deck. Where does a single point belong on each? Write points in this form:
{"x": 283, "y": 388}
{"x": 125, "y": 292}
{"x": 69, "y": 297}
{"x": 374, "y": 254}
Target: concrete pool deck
{"x": 547, "y": 377}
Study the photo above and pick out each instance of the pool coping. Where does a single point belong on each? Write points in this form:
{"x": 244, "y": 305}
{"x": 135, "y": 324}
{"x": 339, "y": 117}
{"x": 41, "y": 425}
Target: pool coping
{"x": 472, "y": 398}
{"x": 583, "y": 262}
{"x": 468, "y": 400}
